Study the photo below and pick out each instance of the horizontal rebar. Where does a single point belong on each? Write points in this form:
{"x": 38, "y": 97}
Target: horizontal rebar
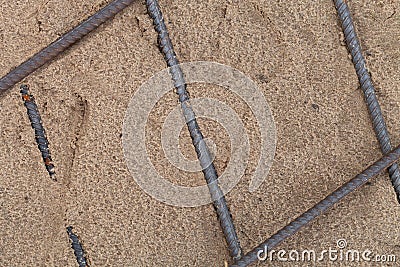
{"x": 203, "y": 154}
{"x": 61, "y": 44}
{"x": 354, "y": 47}
{"x": 319, "y": 208}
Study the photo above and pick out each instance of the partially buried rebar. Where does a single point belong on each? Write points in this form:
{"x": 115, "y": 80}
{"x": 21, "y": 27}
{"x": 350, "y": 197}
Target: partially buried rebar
{"x": 77, "y": 247}
{"x": 40, "y": 134}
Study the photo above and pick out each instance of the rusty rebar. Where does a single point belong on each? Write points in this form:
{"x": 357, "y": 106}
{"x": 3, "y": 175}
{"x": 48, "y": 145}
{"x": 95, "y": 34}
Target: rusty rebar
{"x": 40, "y": 133}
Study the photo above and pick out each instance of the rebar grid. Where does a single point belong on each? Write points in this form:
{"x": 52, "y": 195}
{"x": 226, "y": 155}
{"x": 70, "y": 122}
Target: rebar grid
{"x": 320, "y": 207}
{"x": 68, "y": 39}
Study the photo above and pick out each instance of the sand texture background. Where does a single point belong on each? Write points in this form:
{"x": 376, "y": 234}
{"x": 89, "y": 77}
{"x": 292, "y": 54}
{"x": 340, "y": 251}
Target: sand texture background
{"x": 295, "y": 53}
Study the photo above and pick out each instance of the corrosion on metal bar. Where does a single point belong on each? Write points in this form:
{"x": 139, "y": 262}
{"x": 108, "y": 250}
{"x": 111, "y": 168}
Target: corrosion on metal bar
{"x": 354, "y": 47}
{"x": 77, "y": 247}
{"x": 40, "y": 134}
{"x": 203, "y": 155}
{"x": 61, "y": 44}
{"x": 320, "y": 207}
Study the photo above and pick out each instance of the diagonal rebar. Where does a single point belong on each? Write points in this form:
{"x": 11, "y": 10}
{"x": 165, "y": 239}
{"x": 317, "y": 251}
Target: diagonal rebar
{"x": 319, "y": 208}
{"x": 77, "y": 247}
{"x": 61, "y": 44}
{"x": 367, "y": 87}
{"x": 40, "y": 133}
{"x": 202, "y": 151}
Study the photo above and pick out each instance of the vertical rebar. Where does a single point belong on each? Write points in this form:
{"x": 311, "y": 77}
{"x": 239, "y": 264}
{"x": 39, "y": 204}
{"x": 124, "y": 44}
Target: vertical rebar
{"x": 202, "y": 151}
{"x": 40, "y": 134}
{"x": 367, "y": 87}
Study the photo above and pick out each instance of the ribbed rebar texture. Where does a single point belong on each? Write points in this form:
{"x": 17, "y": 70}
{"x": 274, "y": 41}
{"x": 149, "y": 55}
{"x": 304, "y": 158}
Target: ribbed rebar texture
{"x": 367, "y": 87}
{"x": 319, "y": 208}
{"x": 61, "y": 44}
{"x": 40, "y": 134}
{"x": 202, "y": 151}
{"x": 77, "y": 247}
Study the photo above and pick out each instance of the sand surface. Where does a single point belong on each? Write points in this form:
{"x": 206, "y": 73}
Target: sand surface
{"x": 296, "y": 55}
